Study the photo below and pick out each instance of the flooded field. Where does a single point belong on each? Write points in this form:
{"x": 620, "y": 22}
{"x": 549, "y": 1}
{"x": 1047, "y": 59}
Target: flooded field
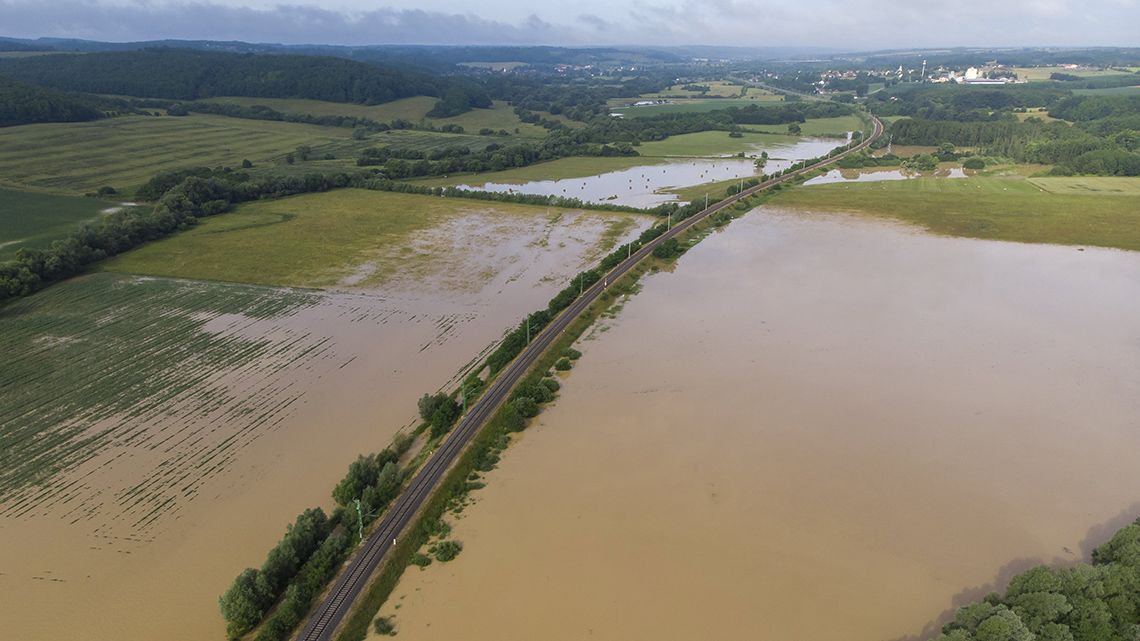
{"x": 643, "y": 186}
{"x": 817, "y": 427}
{"x": 880, "y": 175}
{"x": 160, "y": 433}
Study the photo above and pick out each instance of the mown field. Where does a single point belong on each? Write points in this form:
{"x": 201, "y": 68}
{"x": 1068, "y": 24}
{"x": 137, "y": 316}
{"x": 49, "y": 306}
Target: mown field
{"x": 29, "y": 219}
{"x": 313, "y": 240}
{"x": 125, "y": 152}
{"x": 708, "y": 143}
{"x": 415, "y": 109}
{"x": 997, "y": 208}
{"x": 106, "y": 369}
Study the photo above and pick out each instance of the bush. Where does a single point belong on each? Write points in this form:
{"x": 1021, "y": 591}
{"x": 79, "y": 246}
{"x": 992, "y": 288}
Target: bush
{"x": 525, "y": 406}
{"x": 552, "y": 384}
{"x": 974, "y": 163}
{"x": 513, "y": 421}
{"x": 563, "y": 364}
{"x": 383, "y": 625}
{"x": 572, "y": 353}
{"x": 420, "y": 560}
{"x": 445, "y": 551}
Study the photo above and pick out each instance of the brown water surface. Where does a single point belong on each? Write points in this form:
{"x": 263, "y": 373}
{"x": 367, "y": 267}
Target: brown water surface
{"x": 816, "y": 428}
{"x": 343, "y": 378}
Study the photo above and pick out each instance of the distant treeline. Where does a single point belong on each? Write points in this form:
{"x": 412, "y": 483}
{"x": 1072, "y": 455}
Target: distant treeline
{"x": 1104, "y": 138}
{"x": 23, "y": 104}
{"x": 185, "y": 74}
{"x": 963, "y": 103}
{"x": 1084, "y": 602}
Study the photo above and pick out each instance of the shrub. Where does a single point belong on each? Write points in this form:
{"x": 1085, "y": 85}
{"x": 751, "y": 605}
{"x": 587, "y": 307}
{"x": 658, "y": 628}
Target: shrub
{"x": 552, "y": 384}
{"x": 974, "y": 163}
{"x": 563, "y": 364}
{"x": 445, "y": 551}
{"x": 420, "y": 560}
{"x": 572, "y": 353}
{"x": 383, "y": 625}
{"x": 525, "y": 406}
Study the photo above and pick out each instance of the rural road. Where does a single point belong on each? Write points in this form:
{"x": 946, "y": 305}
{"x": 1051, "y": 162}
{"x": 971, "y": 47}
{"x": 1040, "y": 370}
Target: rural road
{"x": 324, "y": 620}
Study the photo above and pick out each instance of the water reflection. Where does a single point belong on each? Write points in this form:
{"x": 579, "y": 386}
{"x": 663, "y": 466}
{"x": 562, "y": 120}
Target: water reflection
{"x": 880, "y": 175}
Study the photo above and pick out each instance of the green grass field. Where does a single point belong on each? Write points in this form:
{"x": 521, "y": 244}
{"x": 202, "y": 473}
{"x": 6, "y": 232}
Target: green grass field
{"x": 816, "y": 126}
{"x": 107, "y": 368}
{"x": 572, "y": 167}
{"x": 312, "y": 240}
{"x": 125, "y": 152}
{"x": 1042, "y": 73}
{"x": 1090, "y": 185}
{"x": 29, "y": 219}
{"x": 1111, "y": 91}
{"x": 707, "y": 143}
{"x": 1008, "y": 208}
{"x": 695, "y": 105}
{"x": 501, "y": 116}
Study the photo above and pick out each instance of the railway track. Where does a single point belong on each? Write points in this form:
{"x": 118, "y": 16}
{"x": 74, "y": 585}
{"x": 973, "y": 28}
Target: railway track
{"x": 324, "y": 621}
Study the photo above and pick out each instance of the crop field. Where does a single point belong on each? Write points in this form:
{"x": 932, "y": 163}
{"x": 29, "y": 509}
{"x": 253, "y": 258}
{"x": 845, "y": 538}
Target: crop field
{"x": 175, "y": 377}
{"x": 1006, "y": 208}
{"x": 501, "y": 116}
{"x": 345, "y": 237}
{"x": 816, "y": 126}
{"x": 29, "y": 219}
{"x": 125, "y": 152}
{"x": 695, "y": 105}
{"x": 708, "y": 143}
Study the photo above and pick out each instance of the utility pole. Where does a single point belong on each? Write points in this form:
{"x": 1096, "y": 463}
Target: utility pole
{"x": 528, "y": 330}
{"x": 706, "y": 200}
{"x": 359, "y": 521}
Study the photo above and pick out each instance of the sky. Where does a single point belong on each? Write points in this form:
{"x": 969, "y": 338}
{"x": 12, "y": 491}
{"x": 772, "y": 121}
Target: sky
{"x": 837, "y": 24}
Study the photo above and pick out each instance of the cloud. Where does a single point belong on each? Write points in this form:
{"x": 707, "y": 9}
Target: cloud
{"x": 833, "y": 23}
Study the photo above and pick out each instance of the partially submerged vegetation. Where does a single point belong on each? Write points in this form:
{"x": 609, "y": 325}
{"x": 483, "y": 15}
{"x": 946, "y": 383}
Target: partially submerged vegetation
{"x": 1098, "y": 601}
{"x": 996, "y": 208}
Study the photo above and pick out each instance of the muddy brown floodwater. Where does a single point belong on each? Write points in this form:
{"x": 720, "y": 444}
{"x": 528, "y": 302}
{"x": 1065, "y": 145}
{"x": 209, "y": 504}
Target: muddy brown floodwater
{"x": 342, "y": 377}
{"x": 818, "y": 427}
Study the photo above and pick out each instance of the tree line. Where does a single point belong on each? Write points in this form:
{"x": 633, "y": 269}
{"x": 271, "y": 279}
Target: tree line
{"x": 186, "y": 74}
{"x": 23, "y": 104}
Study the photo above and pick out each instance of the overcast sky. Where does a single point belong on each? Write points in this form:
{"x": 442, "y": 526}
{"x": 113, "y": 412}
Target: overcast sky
{"x": 850, "y": 24}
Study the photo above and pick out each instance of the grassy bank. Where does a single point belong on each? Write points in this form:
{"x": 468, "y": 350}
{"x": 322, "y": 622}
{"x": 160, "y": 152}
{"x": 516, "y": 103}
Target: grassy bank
{"x": 1005, "y": 208}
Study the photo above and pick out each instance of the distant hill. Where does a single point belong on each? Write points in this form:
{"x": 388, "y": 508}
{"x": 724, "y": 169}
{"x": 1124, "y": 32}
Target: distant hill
{"x": 185, "y": 74}
{"x": 22, "y": 104}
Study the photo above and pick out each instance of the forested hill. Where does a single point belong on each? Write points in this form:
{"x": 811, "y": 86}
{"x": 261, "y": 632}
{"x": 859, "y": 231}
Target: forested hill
{"x": 185, "y": 74}
{"x": 22, "y": 104}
